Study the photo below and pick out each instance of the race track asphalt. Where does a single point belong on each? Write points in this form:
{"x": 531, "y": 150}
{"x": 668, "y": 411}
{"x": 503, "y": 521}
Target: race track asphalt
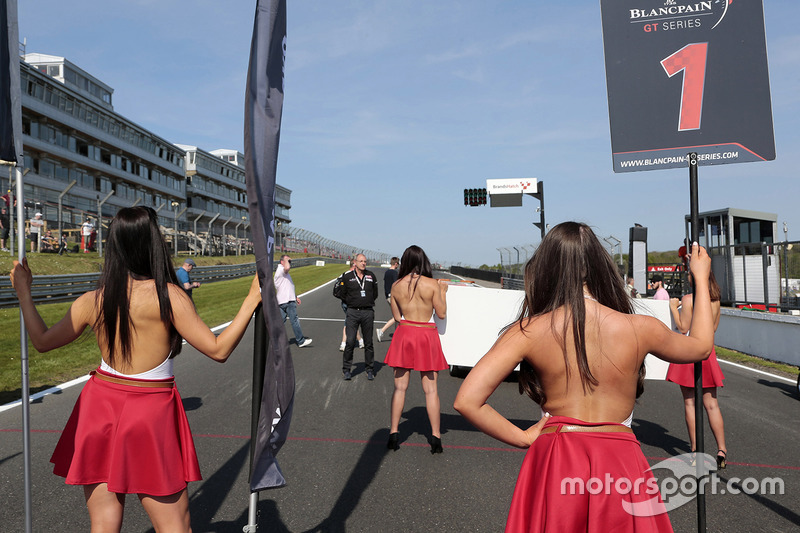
{"x": 342, "y": 478}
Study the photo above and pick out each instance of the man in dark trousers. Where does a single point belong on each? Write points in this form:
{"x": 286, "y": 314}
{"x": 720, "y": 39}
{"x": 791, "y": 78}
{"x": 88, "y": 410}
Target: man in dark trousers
{"x": 359, "y": 290}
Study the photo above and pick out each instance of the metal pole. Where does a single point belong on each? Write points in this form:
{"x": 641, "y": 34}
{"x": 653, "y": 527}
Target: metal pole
{"x": 260, "y": 347}
{"x": 786, "y": 263}
{"x": 60, "y": 223}
{"x": 238, "y": 242}
{"x": 203, "y": 212}
{"x": 100, "y": 222}
{"x": 208, "y": 233}
{"x": 224, "y": 243}
{"x": 175, "y": 206}
{"x": 23, "y": 350}
{"x": 698, "y": 366}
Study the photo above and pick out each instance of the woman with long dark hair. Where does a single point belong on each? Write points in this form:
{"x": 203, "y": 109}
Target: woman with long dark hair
{"x": 415, "y": 344}
{"x": 581, "y": 353}
{"x": 128, "y": 432}
{"x": 683, "y": 375}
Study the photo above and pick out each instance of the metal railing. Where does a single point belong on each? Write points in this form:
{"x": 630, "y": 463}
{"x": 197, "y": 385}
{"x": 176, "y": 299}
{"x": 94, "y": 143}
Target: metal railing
{"x": 67, "y": 287}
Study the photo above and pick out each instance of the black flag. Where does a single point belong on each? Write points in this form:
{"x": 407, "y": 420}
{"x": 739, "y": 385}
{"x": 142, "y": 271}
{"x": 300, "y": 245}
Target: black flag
{"x": 262, "y": 131}
{"x": 10, "y": 107}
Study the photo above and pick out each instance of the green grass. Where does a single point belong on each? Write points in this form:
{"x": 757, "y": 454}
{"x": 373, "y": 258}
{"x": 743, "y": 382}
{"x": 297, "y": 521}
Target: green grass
{"x": 757, "y": 362}
{"x": 216, "y": 303}
{"x": 80, "y": 263}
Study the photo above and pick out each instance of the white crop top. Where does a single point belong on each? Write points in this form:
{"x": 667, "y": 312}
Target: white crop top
{"x": 162, "y": 371}
{"x": 627, "y": 422}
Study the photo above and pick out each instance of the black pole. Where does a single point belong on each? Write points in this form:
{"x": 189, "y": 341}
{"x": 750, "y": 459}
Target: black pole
{"x": 260, "y": 346}
{"x": 698, "y": 367}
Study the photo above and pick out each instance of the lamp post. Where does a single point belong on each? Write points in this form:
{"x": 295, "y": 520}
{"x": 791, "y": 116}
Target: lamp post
{"x": 100, "y": 222}
{"x": 238, "y": 242}
{"x": 224, "y": 240}
{"x": 60, "y": 223}
{"x": 208, "y": 233}
{"x": 175, "y": 206}
{"x": 239, "y": 251}
{"x": 203, "y": 212}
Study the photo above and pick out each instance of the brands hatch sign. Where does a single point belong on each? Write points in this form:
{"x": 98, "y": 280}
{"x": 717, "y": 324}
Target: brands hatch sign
{"x": 686, "y": 76}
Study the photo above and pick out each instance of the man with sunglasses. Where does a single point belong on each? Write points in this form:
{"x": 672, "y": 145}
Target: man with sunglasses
{"x": 288, "y": 300}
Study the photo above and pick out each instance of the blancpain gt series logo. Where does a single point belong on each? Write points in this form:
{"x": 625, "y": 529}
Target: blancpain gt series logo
{"x": 675, "y": 10}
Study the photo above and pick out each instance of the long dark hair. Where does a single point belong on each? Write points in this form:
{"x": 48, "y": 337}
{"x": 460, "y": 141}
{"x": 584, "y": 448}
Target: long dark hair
{"x": 414, "y": 261}
{"x": 135, "y": 248}
{"x": 714, "y": 292}
{"x": 569, "y": 257}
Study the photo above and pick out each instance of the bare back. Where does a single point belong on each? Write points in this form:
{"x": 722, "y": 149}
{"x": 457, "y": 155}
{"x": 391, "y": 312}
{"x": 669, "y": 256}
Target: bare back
{"x": 418, "y": 303}
{"x": 149, "y": 344}
{"x": 613, "y": 354}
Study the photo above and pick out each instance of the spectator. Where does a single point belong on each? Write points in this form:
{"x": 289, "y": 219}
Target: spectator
{"x": 87, "y": 228}
{"x": 4, "y": 227}
{"x": 185, "y": 279}
{"x": 36, "y": 224}
{"x": 631, "y": 290}
{"x": 658, "y": 285}
{"x": 288, "y": 300}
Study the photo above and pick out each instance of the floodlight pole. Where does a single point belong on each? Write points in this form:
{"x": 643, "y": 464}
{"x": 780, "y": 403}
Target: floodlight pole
{"x": 203, "y": 212}
{"x": 224, "y": 240}
{"x": 60, "y": 223}
{"x": 698, "y": 366}
{"x": 100, "y": 222}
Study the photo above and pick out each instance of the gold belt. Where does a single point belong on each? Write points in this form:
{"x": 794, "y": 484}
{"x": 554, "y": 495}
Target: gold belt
{"x": 417, "y": 325}
{"x": 587, "y": 429}
{"x": 132, "y": 382}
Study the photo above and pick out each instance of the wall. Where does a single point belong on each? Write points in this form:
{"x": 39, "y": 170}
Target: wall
{"x": 768, "y": 335}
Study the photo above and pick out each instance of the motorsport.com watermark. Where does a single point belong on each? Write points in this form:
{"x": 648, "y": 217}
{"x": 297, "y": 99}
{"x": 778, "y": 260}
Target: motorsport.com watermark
{"x": 677, "y": 489}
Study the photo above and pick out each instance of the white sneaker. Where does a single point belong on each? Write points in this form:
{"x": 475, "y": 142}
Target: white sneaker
{"x": 379, "y": 334}
{"x": 341, "y": 347}
{"x": 361, "y": 343}
{"x": 304, "y": 343}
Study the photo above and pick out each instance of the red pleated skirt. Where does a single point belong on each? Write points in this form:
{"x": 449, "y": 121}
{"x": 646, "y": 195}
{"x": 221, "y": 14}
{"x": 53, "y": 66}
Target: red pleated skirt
{"x": 135, "y": 439}
{"x": 683, "y": 374}
{"x": 416, "y": 347}
{"x": 570, "y": 482}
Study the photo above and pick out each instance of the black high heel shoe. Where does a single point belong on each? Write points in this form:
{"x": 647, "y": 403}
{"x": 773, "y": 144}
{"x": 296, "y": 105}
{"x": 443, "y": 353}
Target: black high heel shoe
{"x": 393, "y": 443}
{"x": 722, "y": 460}
{"x": 436, "y": 445}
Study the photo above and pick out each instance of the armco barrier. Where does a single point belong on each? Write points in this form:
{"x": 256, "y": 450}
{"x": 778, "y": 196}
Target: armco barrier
{"x": 67, "y": 287}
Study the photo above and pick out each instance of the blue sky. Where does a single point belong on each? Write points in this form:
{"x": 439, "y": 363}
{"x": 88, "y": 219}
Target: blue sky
{"x": 393, "y": 107}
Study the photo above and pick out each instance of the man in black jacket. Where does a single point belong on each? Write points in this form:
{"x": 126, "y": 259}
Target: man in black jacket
{"x": 359, "y": 290}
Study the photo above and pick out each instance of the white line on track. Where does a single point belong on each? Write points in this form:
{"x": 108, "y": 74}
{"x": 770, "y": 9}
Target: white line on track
{"x": 82, "y": 379}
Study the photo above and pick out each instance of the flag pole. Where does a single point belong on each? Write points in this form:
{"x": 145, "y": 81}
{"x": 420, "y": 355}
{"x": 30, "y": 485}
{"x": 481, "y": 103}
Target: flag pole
{"x": 23, "y": 350}
{"x": 273, "y": 375}
{"x": 260, "y": 345}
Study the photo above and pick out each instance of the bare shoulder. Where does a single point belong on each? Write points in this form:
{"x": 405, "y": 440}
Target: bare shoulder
{"x": 86, "y": 306}
{"x": 178, "y": 296}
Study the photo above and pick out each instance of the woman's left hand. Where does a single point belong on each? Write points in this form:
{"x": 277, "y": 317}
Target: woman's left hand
{"x": 21, "y": 277}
